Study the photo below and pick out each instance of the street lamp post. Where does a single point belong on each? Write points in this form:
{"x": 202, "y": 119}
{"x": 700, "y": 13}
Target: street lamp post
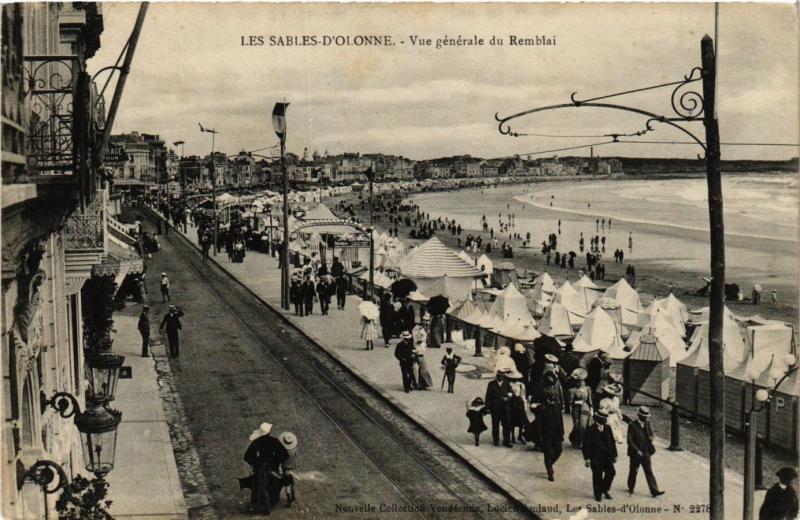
{"x": 182, "y": 180}
{"x": 279, "y": 125}
{"x": 371, "y": 176}
{"x": 213, "y": 173}
{"x": 758, "y": 402}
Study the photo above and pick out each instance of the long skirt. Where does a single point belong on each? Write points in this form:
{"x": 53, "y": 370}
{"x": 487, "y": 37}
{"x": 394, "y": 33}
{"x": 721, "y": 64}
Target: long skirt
{"x": 581, "y": 419}
{"x": 424, "y": 379}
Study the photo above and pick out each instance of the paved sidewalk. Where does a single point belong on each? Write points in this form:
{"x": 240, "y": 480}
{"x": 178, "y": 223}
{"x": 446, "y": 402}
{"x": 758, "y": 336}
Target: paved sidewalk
{"x": 683, "y": 475}
{"x": 145, "y": 481}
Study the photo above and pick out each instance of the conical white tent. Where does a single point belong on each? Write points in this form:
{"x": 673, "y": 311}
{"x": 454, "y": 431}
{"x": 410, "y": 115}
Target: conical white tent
{"x": 598, "y": 332}
{"x": 438, "y": 270}
{"x": 567, "y": 296}
{"x": 700, "y": 315}
{"x": 733, "y": 346}
{"x": 675, "y": 307}
{"x": 629, "y": 301}
{"x": 542, "y": 294}
{"x": 519, "y": 330}
{"x": 511, "y": 306}
{"x": 556, "y": 321}
{"x": 663, "y": 330}
{"x": 485, "y": 262}
{"x": 656, "y": 309}
{"x": 586, "y": 282}
{"x": 463, "y": 310}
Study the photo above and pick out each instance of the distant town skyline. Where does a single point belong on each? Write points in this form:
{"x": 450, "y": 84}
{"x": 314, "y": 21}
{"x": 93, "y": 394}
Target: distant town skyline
{"x": 425, "y": 103}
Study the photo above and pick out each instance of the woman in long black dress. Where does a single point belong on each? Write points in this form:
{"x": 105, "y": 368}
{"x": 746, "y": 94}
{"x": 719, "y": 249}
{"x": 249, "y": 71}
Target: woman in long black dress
{"x": 265, "y": 456}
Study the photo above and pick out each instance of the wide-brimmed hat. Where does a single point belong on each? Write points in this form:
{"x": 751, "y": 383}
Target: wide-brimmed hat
{"x": 405, "y": 335}
{"x": 289, "y": 440}
{"x": 601, "y": 417}
{"x": 551, "y": 358}
{"x": 262, "y": 430}
{"x": 615, "y": 377}
{"x": 612, "y": 389}
{"x": 172, "y": 307}
{"x": 786, "y": 474}
{"x": 579, "y": 374}
{"x": 163, "y": 274}
{"x": 514, "y": 375}
{"x": 643, "y": 411}
{"x": 519, "y": 347}
{"x": 504, "y": 371}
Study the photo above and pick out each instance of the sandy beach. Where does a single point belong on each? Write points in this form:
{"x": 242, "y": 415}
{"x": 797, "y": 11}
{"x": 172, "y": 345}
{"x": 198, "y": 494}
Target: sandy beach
{"x": 664, "y": 255}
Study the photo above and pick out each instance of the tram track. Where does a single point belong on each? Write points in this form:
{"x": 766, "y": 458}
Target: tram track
{"x": 433, "y": 479}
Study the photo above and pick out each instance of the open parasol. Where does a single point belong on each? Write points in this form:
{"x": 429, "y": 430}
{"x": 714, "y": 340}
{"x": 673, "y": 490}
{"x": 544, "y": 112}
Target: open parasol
{"x": 438, "y": 305}
{"x": 369, "y": 310}
{"x": 403, "y": 287}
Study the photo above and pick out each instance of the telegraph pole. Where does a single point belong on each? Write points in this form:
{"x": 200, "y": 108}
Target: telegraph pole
{"x": 716, "y": 303}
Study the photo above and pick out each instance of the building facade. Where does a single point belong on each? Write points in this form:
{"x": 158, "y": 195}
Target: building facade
{"x": 54, "y": 235}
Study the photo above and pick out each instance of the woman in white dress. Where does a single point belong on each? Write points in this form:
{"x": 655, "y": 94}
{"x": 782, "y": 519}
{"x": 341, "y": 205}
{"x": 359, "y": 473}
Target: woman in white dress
{"x": 610, "y": 405}
{"x": 503, "y": 361}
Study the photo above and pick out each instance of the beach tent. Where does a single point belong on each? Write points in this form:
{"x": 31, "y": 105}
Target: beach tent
{"x": 463, "y": 310}
{"x": 519, "y": 330}
{"x": 438, "y": 270}
{"x": 767, "y": 340}
{"x": 586, "y": 283}
{"x": 320, "y": 212}
{"x": 656, "y": 309}
{"x": 612, "y": 307}
{"x": 700, "y": 315}
{"x": 588, "y": 296}
{"x": 598, "y": 332}
{"x": 567, "y": 296}
{"x": 675, "y": 307}
{"x": 667, "y": 336}
{"x": 485, "y": 262}
{"x": 556, "y": 321}
{"x": 511, "y": 306}
{"x": 542, "y": 294}
{"x": 628, "y": 299}
{"x": 733, "y": 346}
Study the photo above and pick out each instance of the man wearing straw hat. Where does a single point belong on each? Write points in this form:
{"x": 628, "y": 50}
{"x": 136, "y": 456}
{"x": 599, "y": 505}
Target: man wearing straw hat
{"x": 640, "y": 449}
{"x": 600, "y": 454}
{"x": 265, "y": 456}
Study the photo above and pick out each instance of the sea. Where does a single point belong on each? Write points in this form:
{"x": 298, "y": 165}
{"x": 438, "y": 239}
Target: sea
{"x": 666, "y": 220}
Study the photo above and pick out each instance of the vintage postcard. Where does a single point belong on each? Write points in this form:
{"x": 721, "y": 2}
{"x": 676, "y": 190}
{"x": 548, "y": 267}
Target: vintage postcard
{"x": 375, "y": 260}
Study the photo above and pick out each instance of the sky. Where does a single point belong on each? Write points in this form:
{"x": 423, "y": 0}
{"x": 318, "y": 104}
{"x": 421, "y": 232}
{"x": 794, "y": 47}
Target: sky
{"x": 190, "y": 67}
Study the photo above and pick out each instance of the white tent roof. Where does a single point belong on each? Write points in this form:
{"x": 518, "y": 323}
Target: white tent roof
{"x": 663, "y": 330}
{"x": 674, "y": 306}
{"x": 767, "y": 340}
{"x": 733, "y": 346}
{"x": 433, "y": 259}
{"x": 543, "y": 285}
{"x": 463, "y": 254}
{"x": 701, "y": 315}
{"x": 519, "y": 329}
{"x": 556, "y": 321}
{"x": 656, "y": 309}
{"x": 587, "y": 282}
{"x": 626, "y": 295}
{"x": 599, "y": 331}
{"x": 566, "y": 289}
{"x": 484, "y": 260}
{"x": 511, "y": 306}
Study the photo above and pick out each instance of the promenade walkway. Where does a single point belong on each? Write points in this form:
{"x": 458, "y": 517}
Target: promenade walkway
{"x": 683, "y": 475}
{"x": 145, "y": 481}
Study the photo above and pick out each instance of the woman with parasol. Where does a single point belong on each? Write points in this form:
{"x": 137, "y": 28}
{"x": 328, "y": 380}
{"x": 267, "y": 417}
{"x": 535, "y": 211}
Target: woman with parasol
{"x": 369, "y": 313}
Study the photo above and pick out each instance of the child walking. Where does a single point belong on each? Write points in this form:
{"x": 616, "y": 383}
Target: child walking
{"x": 289, "y": 441}
{"x": 450, "y": 361}
{"x": 369, "y": 333}
{"x": 475, "y": 412}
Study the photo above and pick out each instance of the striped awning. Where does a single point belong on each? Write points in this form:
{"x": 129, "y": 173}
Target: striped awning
{"x": 433, "y": 259}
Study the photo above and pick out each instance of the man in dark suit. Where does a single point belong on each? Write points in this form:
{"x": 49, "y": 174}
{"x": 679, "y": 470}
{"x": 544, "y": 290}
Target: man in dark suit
{"x": 144, "y": 329}
{"x": 640, "y": 449}
{"x": 404, "y": 353}
{"x": 172, "y": 324}
{"x": 600, "y": 454}
{"x": 309, "y": 291}
{"x": 498, "y": 398}
{"x": 780, "y": 502}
